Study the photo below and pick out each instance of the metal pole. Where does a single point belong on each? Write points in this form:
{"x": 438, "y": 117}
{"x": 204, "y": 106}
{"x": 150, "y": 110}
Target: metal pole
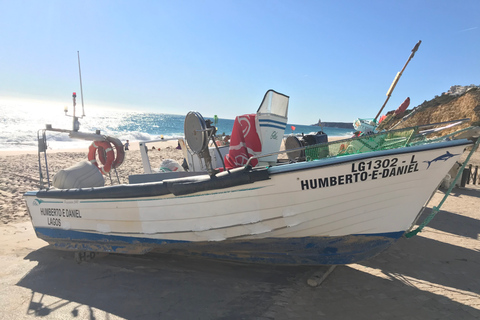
{"x": 469, "y": 173}
{"x": 74, "y": 96}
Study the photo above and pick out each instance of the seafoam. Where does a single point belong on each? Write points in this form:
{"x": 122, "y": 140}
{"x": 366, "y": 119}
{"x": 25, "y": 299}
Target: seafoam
{"x": 20, "y": 124}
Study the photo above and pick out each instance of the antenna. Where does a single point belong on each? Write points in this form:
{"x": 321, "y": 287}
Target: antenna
{"x": 81, "y": 89}
{"x": 76, "y": 123}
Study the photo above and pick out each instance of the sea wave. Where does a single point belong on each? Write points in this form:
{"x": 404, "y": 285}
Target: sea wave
{"x": 20, "y": 126}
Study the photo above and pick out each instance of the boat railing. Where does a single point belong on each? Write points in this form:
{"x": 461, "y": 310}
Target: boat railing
{"x": 42, "y": 148}
{"x": 324, "y": 146}
{"x": 347, "y": 146}
{"x": 373, "y": 142}
{"x": 272, "y": 154}
{"x": 147, "y": 168}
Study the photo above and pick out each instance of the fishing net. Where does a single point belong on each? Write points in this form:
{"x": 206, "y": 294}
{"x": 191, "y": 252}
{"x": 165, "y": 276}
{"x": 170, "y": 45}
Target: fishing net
{"x": 374, "y": 142}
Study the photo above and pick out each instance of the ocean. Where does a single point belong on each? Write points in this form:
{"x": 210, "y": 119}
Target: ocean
{"x": 20, "y": 126}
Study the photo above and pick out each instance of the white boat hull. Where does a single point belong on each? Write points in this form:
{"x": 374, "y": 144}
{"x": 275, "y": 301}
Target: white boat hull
{"x": 332, "y": 211}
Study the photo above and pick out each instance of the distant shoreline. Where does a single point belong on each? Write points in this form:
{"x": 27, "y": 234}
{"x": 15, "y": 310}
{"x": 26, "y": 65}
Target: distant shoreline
{"x": 134, "y": 145}
{"x": 341, "y": 125}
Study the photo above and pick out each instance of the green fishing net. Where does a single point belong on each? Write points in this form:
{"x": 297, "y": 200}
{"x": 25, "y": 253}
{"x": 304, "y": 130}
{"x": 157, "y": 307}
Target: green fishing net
{"x": 374, "y": 142}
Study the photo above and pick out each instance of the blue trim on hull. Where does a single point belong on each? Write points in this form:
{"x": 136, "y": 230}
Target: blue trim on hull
{"x": 307, "y": 250}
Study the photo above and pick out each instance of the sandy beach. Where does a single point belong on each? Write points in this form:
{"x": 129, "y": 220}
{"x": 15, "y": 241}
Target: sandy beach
{"x": 431, "y": 276}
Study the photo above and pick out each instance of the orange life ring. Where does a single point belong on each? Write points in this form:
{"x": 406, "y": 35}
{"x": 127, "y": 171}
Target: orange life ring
{"x": 106, "y": 148}
{"x": 119, "y": 152}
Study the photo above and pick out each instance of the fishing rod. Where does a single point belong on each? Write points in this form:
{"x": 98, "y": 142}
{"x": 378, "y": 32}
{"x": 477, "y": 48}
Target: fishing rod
{"x": 397, "y": 77}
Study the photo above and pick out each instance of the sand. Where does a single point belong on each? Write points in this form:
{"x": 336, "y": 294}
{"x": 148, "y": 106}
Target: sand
{"x": 431, "y": 276}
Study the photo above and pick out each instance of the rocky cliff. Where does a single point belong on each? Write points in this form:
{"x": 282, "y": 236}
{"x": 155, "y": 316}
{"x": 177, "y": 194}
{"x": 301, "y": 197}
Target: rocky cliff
{"x": 459, "y": 102}
{"x": 453, "y": 105}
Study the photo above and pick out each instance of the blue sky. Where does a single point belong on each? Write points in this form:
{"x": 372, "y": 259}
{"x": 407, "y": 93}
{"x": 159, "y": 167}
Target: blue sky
{"x": 335, "y": 59}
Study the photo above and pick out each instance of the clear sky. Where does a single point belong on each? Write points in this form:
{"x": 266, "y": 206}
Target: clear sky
{"x": 335, "y": 59}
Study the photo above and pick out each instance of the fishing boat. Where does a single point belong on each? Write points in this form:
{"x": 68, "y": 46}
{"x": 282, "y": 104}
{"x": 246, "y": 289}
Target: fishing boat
{"x": 330, "y": 203}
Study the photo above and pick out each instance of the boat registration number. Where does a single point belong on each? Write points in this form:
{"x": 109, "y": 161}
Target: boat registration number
{"x": 364, "y": 171}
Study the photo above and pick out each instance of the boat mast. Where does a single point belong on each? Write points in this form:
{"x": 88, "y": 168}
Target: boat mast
{"x": 397, "y": 77}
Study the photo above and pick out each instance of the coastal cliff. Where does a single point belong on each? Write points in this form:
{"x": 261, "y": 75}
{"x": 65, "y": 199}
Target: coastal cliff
{"x": 459, "y": 102}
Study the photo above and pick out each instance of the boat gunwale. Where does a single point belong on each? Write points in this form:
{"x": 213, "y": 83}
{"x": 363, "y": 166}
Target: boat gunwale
{"x": 87, "y": 193}
{"x": 366, "y": 155}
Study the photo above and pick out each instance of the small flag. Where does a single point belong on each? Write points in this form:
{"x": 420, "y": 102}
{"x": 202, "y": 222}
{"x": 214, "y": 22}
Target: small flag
{"x": 293, "y": 128}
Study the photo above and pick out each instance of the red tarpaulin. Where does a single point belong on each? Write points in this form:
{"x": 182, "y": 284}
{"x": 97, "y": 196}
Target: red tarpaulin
{"x": 403, "y": 106}
{"x": 244, "y": 142}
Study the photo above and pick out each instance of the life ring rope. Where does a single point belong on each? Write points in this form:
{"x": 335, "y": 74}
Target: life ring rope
{"x": 119, "y": 152}
{"x": 105, "y": 149}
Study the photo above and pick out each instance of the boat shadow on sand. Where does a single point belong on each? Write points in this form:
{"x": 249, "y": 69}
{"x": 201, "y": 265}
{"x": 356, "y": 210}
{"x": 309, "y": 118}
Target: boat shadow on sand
{"x": 455, "y": 223}
{"x": 416, "y": 278}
